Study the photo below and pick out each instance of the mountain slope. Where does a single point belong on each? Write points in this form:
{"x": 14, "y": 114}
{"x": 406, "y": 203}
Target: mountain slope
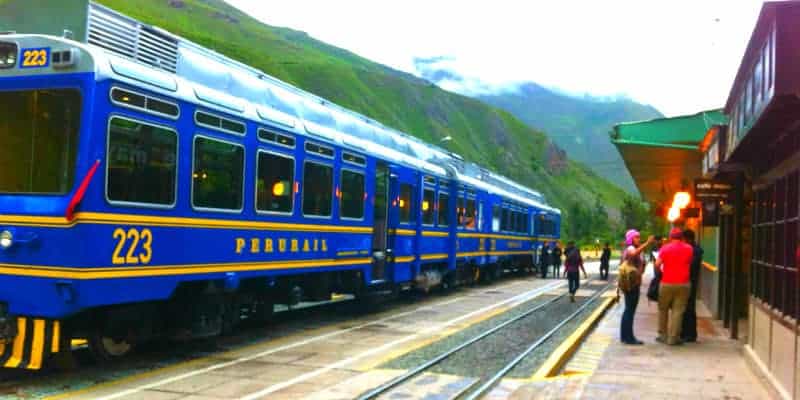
{"x": 486, "y": 135}
{"x": 578, "y": 125}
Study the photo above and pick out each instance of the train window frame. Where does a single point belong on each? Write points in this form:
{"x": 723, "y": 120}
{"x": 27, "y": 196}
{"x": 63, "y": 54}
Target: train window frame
{"x": 146, "y": 99}
{"x": 303, "y": 190}
{"x": 278, "y": 135}
{"x": 439, "y": 209}
{"x": 410, "y": 219}
{"x": 219, "y": 127}
{"x": 355, "y": 156}
{"x": 177, "y": 164}
{"x": 294, "y": 180}
{"x": 244, "y": 168}
{"x": 431, "y": 207}
{"x": 341, "y": 198}
{"x": 476, "y": 217}
{"x": 321, "y": 147}
{"x": 497, "y": 218}
{"x": 460, "y": 208}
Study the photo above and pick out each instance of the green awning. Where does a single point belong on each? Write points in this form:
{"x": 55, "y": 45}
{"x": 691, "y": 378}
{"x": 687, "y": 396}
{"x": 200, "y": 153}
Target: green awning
{"x": 662, "y": 154}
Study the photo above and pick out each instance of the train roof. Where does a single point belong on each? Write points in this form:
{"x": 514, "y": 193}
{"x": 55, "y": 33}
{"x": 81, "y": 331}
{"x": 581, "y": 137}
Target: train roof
{"x": 128, "y": 50}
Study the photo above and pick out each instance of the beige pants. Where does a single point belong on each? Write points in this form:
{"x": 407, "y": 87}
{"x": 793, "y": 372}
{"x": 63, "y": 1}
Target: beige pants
{"x": 672, "y": 300}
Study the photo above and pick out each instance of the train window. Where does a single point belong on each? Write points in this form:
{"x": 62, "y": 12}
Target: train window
{"x": 126, "y": 98}
{"x": 162, "y": 107}
{"x": 352, "y": 194}
{"x": 142, "y": 163}
{"x": 317, "y": 189}
{"x": 218, "y": 172}
{"x": 218, "y": 123}
{"x": 138, "y": 101}
{"x": 405, "y": 203}
{"x": 496, "y": 219}
{"x": 460, "y": 210}
{"x": 319, "y": 150}
{"x": 514, "y": 221}
{"x": 39, "y": 138}
{"x": 444, "y": 209}
{"x": 525, "y": 227}
{"x": 277, "y": 138}
{"x": 354, "y": 159}
{"x": 274, "y": 183}
{"x": 427, "y": 207}
{"x": 470, "y": 215}
{"x": 478, "y": 216}
{"x": 429, "y": 180}
{"x": 504, "y": 219}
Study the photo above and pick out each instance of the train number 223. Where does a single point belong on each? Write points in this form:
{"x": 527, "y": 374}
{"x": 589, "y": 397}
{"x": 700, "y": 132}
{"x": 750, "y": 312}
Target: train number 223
{"x": 35, "y": 58}
{"x": 138, "y": 244}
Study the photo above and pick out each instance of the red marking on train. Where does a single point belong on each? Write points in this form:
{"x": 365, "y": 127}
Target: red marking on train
{"x": 78, "y": 196}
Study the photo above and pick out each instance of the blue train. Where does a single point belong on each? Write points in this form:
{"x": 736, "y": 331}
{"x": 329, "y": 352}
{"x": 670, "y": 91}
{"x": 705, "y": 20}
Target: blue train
{"x": 150, "y": 187}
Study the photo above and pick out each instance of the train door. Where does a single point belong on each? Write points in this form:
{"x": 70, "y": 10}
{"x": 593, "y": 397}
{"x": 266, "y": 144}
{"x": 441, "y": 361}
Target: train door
{"x": 380, "y": 232}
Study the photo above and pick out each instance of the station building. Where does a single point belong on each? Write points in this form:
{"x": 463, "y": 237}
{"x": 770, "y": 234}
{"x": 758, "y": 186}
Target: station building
{"x": 748, "y": 154}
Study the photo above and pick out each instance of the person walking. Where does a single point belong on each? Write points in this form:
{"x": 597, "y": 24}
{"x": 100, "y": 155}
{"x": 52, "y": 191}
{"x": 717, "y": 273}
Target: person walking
{"x": 633, "y": 255}
{"x": 674, "y": 260}
{"x": 557, "y": 261}
{"x": 605, "y": 259}
{"x": 572, "y": 263}
{"x": 689, "y": 327}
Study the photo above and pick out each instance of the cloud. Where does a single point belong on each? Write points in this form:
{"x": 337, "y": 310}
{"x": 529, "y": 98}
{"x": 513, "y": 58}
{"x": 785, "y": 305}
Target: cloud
{"x": 445, "y": 72}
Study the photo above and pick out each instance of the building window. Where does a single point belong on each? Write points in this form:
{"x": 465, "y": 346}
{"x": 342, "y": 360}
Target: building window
{"x": 405, "y": 202}
{"x": 217, "y": 174}
{"x": 317, "y": 189}
{"x": 758, "y": 83}
{"x": 427, "y": 207}
{"x": 352, "y": 205}
{"x": 444, "y": 209}
{"x": 275, "y": 183}
{"x": 142, "y": 163}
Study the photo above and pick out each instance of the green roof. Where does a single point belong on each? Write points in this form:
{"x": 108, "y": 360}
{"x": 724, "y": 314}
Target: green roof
{"x": 662, "y": 154}
{"x": 678, "y": 132}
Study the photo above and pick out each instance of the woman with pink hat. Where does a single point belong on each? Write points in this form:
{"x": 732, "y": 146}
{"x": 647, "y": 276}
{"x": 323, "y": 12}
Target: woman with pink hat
{"x": 632, "y": 254}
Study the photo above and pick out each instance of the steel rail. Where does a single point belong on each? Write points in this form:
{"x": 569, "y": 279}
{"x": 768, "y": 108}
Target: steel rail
{"x": 414, "y": 372}
{"x": 500, "y": 374}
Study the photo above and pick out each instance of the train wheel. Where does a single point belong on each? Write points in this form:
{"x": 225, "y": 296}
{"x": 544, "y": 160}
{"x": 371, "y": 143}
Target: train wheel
{"x": 106, "y": 349}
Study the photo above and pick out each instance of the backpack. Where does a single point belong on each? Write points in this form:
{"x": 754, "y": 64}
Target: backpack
{"x": 573, "y": 258}
{"x": 628, "y": 277}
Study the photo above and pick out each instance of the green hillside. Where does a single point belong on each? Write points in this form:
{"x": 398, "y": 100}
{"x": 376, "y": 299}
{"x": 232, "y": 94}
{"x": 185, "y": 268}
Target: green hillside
{"x": 486, "y": 135}
{"x": 578, "y": 125}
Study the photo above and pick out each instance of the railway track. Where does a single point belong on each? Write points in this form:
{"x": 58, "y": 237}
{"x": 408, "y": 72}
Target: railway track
{"x": 332, "y": 319}
{"x": 486, "y": 381}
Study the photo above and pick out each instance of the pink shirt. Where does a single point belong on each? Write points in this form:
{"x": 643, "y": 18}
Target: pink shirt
{"x": 676, "y": 258}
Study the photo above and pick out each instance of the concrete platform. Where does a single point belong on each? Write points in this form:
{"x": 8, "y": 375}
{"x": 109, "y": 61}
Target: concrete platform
{"x": 604, "y": 368}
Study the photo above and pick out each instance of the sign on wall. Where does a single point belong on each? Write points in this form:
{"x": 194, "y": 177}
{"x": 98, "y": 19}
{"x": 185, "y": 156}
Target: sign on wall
{"x": 709, "y": 190}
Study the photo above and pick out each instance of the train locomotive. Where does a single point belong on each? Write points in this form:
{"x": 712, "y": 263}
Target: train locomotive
{"x": 150, "y": 187}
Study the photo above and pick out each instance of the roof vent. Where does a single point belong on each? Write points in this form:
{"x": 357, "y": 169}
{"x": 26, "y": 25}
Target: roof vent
{"x": 120, "y": 35}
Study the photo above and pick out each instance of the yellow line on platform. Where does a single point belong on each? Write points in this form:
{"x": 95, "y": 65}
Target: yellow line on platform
{"x": 559, "y": 357}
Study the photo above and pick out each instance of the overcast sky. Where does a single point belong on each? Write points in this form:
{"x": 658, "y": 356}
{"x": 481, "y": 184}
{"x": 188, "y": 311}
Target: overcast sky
{"x": 679, "y": 56}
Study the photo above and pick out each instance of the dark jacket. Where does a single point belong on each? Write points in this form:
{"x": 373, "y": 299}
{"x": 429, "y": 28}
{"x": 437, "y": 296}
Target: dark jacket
{"x": 606, "y": 256}
{"x": 556, "y": 256}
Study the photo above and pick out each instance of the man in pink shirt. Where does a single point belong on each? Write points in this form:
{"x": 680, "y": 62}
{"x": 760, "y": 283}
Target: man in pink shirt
{"x": 674, "y": 260}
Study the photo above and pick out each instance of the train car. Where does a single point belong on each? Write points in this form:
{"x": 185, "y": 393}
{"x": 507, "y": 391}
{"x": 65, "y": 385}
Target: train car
{"x": 153, "y": 188}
